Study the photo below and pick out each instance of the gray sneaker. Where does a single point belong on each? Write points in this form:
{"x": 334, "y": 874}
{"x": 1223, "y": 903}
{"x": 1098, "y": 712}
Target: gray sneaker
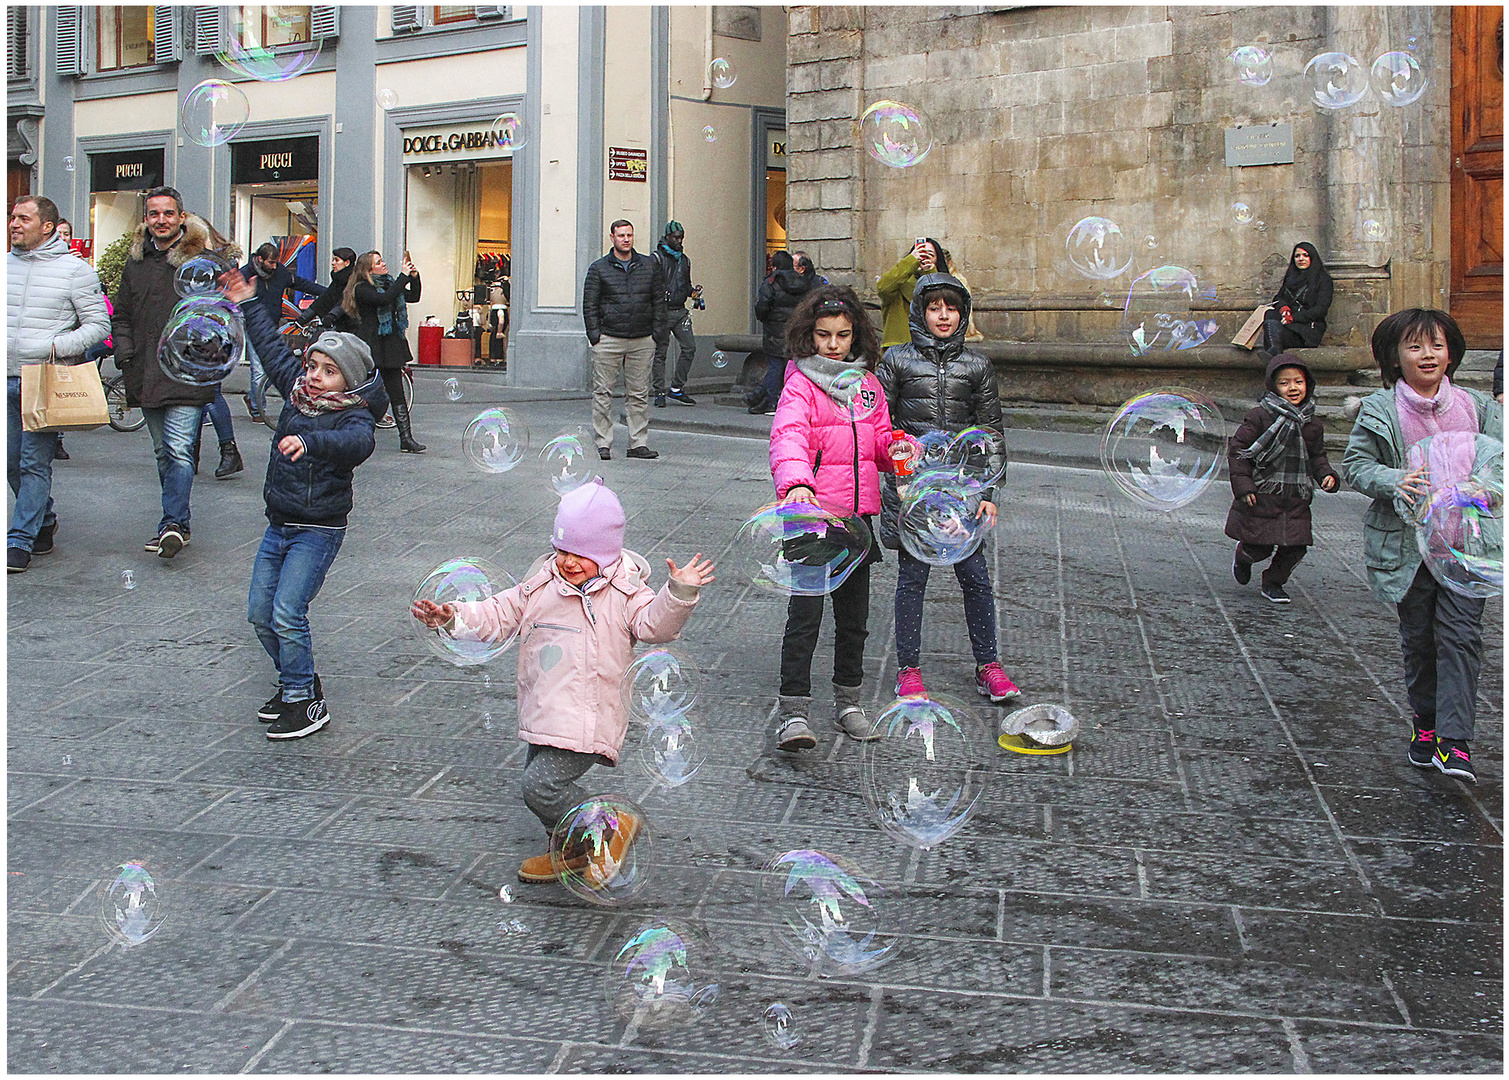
{"x": 849, "y": 715}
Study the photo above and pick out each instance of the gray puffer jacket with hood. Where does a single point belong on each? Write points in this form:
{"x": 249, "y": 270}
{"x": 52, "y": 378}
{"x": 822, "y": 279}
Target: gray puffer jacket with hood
{"x": 54, "y": 305}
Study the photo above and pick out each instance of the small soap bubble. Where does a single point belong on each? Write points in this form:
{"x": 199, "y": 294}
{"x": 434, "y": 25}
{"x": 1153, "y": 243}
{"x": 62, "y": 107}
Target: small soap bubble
{"x": 487, "y": 721}
{"x": 510, "y": 131}
{"x": 927, "y": 770}
{"x": 1336, "y": 80}
{"x": 132, "y": 903}
{"x": 68, "y": 164}
{"x": 855, "y": 394}
{"x": 269, "y": 51}
{"x": 453, "y": 389}
{"x": 464, "y": 580}
{"x": 670, "y": 753}
{"x": 199, "y": 276}
{"x": 567, "y": 462}
{"x": 1254, "y": 64}
{"x": 1260, "y": 225}
{"x": 387, "y": 99}
{"x": 1163, "y": 448}
{"x": 799, "y": 549}
{"x": 1242, "y": 213}
{"x": 939, "y": 521}
{"x": 213, "y": 113}
{"x": 67, "y": 759}
{"x": 780, "y": 1026}
{"x": 1096, "y": 248}
{"x": 487, "y": 681}
{"x": 710, "y": 133}
{"x": 895, "y": 134}
{"x": 722, "y": 73}
{"x": 1411, "y": 43}
{"x": 978, "y": 454}
{"x": 658, "y": 977}
{"x": 496, "y": 440}
{"x": 828, "y": 911}
{"x": 603, "y": 850}
{"x": 1374, "y": 229}
{"x": 128, "y": 579}
{"x": 1398, "y": 79}
{"x": 1150, "y": 242}
{"x": 504, "y": 895}
{"x": 720, "y": 358}
{"x": 660, "y": 685}
{"x": 203, "y": 341}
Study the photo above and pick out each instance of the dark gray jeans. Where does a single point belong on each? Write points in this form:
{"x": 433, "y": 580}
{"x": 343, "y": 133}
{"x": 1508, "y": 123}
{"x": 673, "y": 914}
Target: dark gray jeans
{"x": 681, "y": 329}
{"x": 1441, "y": 633}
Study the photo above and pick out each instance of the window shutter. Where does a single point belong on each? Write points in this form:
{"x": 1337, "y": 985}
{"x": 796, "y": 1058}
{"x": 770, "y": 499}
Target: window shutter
{"x": 324, "y": 21}
{"x": 490, "y": 11}
{"x": 166, "y": 44}
{"x": 15, "y": 55}
{"x": 70, "y": 60}
{"x": 406, "y": 17}
{"x": 208, "y": 31}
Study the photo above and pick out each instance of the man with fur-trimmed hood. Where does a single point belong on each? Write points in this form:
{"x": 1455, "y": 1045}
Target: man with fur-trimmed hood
{"x": 165, "y": 240}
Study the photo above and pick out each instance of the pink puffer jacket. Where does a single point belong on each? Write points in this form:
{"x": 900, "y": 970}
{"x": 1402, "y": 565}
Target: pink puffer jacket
{"x": 575, "y": 647}
{"x": 813, "y": 443}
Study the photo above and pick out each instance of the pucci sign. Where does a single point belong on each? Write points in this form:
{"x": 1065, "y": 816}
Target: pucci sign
{"x": 423, "y": 146}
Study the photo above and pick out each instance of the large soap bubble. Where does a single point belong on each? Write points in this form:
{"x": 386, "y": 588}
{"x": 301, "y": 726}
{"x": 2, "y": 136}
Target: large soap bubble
{"x": 661, "y": 684}
{"x": 1336, "y": 80}
{"x": 722, "y": 73}
{"x": 671, "y": 753}
{"x": 927, "y": 771}
{"x": 213, "y": 113}
{"x": 267, "y": 46}
{"x": 567, "y": 462}
{"x": 1164, "y": 447}
{"x": 1096, "y": 248}
{"x": 895, "y": 134}
{"x": 828, "y": 911}
{"x": 603, "y": 850}
{"x": 133, "y": 904}
{"x": 1254, "y": 64}
{"x": 799, "y": 549}
{"x": 1398, "y": 79}
{"x": 203, "y": 341}
{"x": 979, "y": 455}
{"x": 1459, "y": 525}
{"x": 1157, "y": 317}
{"x": 464, "y": 580}
{"x": 200, "y": 276}
{"x": 659, "y": 976}
{"x": 496, "y": 440}
{"x": 939, "y": 521}
{"x": 856, "y": 394}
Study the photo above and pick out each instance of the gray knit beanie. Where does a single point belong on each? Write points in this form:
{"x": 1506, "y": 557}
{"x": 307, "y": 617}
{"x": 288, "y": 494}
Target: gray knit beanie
{"x": 350, "y": 354}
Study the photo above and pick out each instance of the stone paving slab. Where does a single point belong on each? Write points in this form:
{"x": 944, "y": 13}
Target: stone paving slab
{"x": 1233, "y": 870}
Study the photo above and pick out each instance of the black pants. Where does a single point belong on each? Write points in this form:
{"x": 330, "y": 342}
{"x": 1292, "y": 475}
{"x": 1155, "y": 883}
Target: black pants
{"x": 1283, "y": 564}
{"x": 1441, "y": 635}
{"x": 1277, "y": 336}
{"x": 804, "y": 618}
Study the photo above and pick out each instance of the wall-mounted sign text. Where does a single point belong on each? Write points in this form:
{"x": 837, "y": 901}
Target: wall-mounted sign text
{"x": 133, "y": 170}
{"x": 1265, "y": 144}
{"x": 275, "y": 159}
{"x": 625, "y": 163}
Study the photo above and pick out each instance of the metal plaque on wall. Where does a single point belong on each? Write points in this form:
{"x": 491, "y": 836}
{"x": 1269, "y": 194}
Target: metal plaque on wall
{"x": 629, "y": 164}
{"x": 1265, "y": 144}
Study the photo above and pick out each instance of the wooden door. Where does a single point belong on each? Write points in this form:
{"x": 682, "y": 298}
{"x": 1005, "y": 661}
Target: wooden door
{"x": 1477, "y": 174}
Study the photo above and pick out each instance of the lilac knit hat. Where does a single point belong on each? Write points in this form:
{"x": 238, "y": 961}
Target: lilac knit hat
{"x": 590, "y": 522}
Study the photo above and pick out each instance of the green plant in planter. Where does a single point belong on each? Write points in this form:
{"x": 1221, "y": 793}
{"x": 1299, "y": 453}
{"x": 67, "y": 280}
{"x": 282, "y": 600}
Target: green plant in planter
{"x": 111, "y": 262}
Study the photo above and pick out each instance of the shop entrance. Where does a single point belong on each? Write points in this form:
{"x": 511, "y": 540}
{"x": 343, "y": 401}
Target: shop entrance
{"x": 275, "y": 198}
{"x": 118, "y": 183}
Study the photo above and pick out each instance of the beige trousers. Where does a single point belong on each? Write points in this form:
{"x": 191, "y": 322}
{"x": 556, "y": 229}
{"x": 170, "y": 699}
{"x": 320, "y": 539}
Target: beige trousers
{"x": 634, "y": 356}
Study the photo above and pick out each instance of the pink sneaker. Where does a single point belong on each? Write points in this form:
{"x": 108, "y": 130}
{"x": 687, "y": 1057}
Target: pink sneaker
{"x": 992, "y": 682}
{"x": 909, "y": 683}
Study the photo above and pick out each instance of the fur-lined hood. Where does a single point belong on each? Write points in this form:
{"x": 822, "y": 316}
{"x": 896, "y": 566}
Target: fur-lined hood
{"x": 193, "y": 242}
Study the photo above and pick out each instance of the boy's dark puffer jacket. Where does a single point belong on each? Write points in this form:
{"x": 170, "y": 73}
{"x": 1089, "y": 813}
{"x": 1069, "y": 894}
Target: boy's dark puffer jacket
{"x": 933, "y": 385}
{"x": 316, "y": 489}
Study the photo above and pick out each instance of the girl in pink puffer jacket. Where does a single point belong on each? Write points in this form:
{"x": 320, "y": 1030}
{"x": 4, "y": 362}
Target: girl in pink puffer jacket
{"x": 578, "y": 615}
{"x": 828, "y": 445}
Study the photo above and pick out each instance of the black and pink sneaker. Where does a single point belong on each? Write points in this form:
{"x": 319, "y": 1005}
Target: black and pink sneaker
{"x": 1422, "y": 746}
{"x": 1453, "y": 760}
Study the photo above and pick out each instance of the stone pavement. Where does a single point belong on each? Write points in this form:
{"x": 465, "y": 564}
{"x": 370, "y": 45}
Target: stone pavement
{"x": 1234, "y": 870}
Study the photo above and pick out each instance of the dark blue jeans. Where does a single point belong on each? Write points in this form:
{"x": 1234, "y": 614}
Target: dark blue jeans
{"x": 28, "y": 467}
{"x": 775, "y": 380}
{"x": 979, "y": 606}
{"x": 175, "y": 430}
{"x": 220, "y": 417}
{"x": 290, "y": 568}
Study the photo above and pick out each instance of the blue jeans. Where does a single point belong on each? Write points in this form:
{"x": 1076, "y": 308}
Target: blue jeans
{"x": 258, "y": 380}
{"x": 29, "y": 469}
{"x": 979, "y": 606}
{"x": 290, "y": 568}
{"x": 775, "y": 380}
{"x": 220, "y": 416}
{"x": 175, "y": 430}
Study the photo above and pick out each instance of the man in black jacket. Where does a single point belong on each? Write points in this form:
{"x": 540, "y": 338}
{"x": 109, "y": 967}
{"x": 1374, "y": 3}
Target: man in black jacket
{"x": 623, "y": 306}
{"x": 677, "y": 265}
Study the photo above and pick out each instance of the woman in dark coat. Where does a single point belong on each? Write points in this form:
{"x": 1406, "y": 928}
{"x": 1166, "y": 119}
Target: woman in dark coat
{"x": 779, "y": 295}
{"x": 378, "y": 302}
{"x": 1297, "y": 319}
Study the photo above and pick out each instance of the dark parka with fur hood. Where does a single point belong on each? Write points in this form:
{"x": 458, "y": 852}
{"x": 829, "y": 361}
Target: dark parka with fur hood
{"x": 934, "y": 385}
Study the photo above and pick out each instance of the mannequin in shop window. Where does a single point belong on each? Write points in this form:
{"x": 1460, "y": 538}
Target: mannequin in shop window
{"x": 497, "y": 325}
{"x": 379, "y": 304}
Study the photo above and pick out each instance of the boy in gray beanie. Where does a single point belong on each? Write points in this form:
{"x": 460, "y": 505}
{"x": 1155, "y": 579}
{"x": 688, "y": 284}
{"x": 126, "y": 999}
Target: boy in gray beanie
{"x": 350, "y": 354}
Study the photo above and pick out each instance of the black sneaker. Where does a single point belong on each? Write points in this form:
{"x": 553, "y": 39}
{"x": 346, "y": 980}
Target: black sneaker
{"x": 299, "y": 718}
{"x": 42, "y": 545}
{"x": 643, "y": 452}
{"x": 659, "y": 401}
{"x": 681, "y": 397}
{"x": 1275, "y": 594}
{"x": 605, "y": 453}
{"x": 1453, "y": 760}
{"x": 1422, "y": 748}
{"x": 1242, "y": 571}
{"x": 17, "y": 560}
{"x": 274, "y": 707}
{"x": 154, "y": 544}
{"x": 60, "y": 454}
{"x": 170, "y": 542}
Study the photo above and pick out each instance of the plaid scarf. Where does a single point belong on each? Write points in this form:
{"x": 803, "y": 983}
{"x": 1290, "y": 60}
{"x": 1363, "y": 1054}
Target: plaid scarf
{"x": 1279, "y": 458}
{"x": 328, "y": 402}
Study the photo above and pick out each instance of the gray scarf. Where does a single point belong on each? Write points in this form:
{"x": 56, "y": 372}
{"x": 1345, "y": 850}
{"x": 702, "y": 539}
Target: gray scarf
{"x": 1279, "y": 458}
{"x": 823, "y": 372}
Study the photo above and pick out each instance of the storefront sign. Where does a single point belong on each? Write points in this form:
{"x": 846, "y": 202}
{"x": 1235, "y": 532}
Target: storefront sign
{"x": 627, "y": 164}
{"x": 275, "y": 159}
{"x": 1272, "y": 144}
{"x": 132, "y": 170}
{"x": 428, "y": 146}
{"x": 775, "y": 150}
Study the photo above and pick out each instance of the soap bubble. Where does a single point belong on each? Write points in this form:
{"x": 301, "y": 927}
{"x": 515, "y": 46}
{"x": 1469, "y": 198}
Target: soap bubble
{"x": 927, "y": 772}
{"x": 722, "y": 73}
{"x": 453, "y": 389}
{"x": 1398, "y": 79}
{"x": 496, "y": 440}
{"x": 203, "y": 341}
{"x": 567, "y": 462}
{"x": 510, "y": 130}
{"x": 505, "y": 895}
{"x": 658, "y": 977}
{"x": 710, "y": 133}
{"x": 895, "y": 134}
{"x": 464, "y": 580}
{"x": 978, "y": 454}
{"x": 1336, "y": 80}
{"x": 671, "y": 754}
{"x": 1459, "y": 525}
{"x": 1254, "y": 64}
{"x": 720, "y": 358}
{"x": 661, "y": 684}
{"x": 1156, "y": 316}
{"x": 387, "y": 99}
{"x": 270, "y": 57}
{"x": 1242, "y": 212}
{"x": 831, "y": 914}
{"x": 1164, "y": 447}
{"x": 133, "y": 904}
{"x": 68, "y": 164}
{"x": 1260, "y": 225}
{"x": 213, "y": 113}
{"x": 128, "y": 579}
{"x": 799, "y": 549}
{"x": 856, "y": 394}
{"x": 1150, "y": 242}
{"x": 939, "y": 521}
{"x": 780, "y": 1025}
{"x": 200, "y": 276}
{"x": 1374, "y": 229}
{"x": 603, "y": 850}
{"x": 1096, "y": 248}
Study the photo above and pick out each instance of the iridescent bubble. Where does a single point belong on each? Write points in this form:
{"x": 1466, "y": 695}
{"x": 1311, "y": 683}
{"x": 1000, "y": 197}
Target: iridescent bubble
{"x": 978, "y": 454}
{"x": 895, "y": 134}
{"x": 487, "y": 721}
{"x": 603, "y": 850}
{"x": 199, "y": 276}
{"x": 1260, "y": 225}
{"x": 661, "y": 684}
{"x": 1096, "y": 248}
{"x": 659, "y": 976}
{"x": 799, "y": 549}
{"x": 722, "y": 73}
{"x": 67, "y": 759}
{"x": 133, "y": 904}
{"x": 567, "y": 462}
{"x": 720, "y": 358}
{"x": 128, "y": 579}
{"x": 496, "y": 440}
{"x": 465, "y": 580}
{"x": 830, "y": 913}
{"x": 202, "y": 342}
{"x": 1336, "y": 80}
{"x": 68, "y": 164}
{"x": 927, "y": 771}
{"x": 1242, "y": 213}
{"x": 1459, "y": 523}
{"x": 780, "y": 1026}
{"x": 1254, "y": 64}
{"x": 505, "y": 895}
{"x": 213, "y": 113}
{"x": 510, "y": 131}
{"x": 387, "y": 99}
{"x": 1157, "y": 315}
{"x": 273, "y": 55}
{"x": 1150, "y": 242}
{"x": 1398, "y": 79}
{"x": 671, "y": 753}
{"x": 1164, "y": 447}
{"x": 856, "y": 394}
{"x": 453, "y": 389}
{"x": 1374, "y": 229}
{"x": 710, "y": 133}
{"x": 939, "y": 521}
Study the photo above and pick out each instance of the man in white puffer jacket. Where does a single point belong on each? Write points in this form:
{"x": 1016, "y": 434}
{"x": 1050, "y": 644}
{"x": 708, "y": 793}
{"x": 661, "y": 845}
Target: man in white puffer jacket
{"x": 54, "y": 308}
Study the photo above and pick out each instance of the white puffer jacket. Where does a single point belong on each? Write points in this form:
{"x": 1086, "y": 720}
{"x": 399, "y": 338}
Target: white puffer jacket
{"x": 53, "y": 304}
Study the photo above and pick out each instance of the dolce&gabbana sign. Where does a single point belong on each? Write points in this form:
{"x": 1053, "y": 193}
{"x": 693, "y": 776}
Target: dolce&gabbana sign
{"x": 450, "y": 143}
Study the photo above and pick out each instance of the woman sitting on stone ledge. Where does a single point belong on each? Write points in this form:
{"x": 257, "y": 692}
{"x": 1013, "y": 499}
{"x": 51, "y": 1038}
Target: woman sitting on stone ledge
{"x": 1297, "y": 317}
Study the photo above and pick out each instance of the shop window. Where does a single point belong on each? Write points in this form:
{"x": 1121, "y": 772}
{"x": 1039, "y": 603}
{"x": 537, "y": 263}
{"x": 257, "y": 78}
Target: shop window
{"x": 125, "y": 38}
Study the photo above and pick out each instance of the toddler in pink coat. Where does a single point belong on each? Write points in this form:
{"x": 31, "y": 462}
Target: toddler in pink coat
{"x": 578, "y": 614}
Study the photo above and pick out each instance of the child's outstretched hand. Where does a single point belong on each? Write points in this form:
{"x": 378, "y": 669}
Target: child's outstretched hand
{"x": 1328, "y": 483}
{"x": 1414, "y": 484}
{"x": 432, "y": 614}
{"x": 988, "y": 512}
{"x": 236, "y": 288}
{"x": 291, "y": 447}
{"x": 693, "y": 573}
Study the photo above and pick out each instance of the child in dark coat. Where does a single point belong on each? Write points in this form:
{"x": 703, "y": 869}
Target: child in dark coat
{"x": 1276, "y": 458}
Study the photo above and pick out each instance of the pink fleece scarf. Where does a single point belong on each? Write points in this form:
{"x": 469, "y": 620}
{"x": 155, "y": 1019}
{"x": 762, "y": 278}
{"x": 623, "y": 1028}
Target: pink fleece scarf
{"x": 1450, "y": 410}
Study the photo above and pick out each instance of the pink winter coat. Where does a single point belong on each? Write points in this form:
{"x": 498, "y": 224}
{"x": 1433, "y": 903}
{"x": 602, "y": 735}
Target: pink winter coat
{"x": 575, "y": 647}
{"x": 812, "y": 443}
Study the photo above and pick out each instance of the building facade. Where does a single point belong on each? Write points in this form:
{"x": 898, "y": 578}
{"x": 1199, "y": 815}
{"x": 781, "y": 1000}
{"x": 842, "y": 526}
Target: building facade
{"x": 388, "y": 139}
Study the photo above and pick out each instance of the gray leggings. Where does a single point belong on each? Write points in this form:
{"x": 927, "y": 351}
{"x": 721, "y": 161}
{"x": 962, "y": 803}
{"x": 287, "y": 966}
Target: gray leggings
{"x": 550, "y": 782}
{"x": 1441, "y": 633}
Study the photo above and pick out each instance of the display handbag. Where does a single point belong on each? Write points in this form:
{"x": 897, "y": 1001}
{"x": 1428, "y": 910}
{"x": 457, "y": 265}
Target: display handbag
{"x": 62, "y": 397}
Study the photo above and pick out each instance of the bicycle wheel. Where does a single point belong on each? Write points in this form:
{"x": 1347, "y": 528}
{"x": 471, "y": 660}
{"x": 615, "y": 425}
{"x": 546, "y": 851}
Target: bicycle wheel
{"x": 123, "y": 417}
